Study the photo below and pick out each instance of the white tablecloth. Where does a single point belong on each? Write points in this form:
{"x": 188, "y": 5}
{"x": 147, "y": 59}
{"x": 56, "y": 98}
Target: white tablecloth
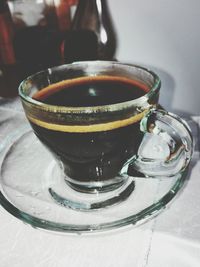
{"x": 172, "y": 239}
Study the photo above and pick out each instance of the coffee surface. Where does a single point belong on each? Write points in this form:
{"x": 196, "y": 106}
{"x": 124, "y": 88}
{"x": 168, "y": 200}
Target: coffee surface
{"x": 91, "y": 91}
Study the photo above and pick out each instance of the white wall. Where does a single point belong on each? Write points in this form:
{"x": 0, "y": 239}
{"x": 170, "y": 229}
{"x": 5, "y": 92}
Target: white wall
{"x": 165, "y": 36}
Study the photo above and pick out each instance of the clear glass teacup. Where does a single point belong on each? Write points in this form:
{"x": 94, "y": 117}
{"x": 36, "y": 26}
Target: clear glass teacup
{"x": 96, "y": 118}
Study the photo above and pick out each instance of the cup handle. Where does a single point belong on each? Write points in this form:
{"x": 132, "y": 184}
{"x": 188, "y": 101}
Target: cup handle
{"x": 166, "y": 148}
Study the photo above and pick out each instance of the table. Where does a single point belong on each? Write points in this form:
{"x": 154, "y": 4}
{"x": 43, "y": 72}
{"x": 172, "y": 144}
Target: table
{"x": 172, "y": 239}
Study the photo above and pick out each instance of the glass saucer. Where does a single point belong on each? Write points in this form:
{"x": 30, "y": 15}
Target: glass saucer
{"x": 27, "y": 171}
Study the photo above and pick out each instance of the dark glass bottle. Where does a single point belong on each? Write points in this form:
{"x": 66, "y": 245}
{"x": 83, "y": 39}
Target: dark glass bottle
{"x": 92, "y": 35}
{"x": 37, "y": 36}
{"x": 8, "y": 68}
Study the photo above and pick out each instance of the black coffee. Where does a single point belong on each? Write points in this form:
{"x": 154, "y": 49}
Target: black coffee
{"x": 94, "y": 154}
{"x": 91, "y": 91}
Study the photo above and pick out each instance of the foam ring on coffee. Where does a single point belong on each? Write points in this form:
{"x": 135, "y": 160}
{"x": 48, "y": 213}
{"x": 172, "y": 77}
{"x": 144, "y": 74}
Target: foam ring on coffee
{"x": 58, "y": 86}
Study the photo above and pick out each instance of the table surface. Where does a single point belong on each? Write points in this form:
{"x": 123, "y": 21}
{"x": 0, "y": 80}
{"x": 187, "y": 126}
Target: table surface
{"x": 170, "y": 239}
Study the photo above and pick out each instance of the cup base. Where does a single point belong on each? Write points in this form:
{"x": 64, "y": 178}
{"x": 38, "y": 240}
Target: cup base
{"x": 96, "y": 186}
{"x": 97, "y": 196}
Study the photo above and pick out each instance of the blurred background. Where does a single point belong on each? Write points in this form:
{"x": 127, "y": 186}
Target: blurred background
{"x": 164, "y": 36}
{"x": 161, "y": 35}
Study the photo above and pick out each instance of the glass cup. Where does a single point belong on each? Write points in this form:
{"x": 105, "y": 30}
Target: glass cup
{"x": 96, "y": 119}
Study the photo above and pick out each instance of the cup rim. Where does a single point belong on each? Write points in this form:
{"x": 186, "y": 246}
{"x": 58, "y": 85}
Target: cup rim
{"x": 90, "y": 109}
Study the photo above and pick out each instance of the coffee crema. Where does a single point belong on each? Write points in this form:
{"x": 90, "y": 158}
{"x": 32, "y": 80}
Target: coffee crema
{"x": 91, "y": 88}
